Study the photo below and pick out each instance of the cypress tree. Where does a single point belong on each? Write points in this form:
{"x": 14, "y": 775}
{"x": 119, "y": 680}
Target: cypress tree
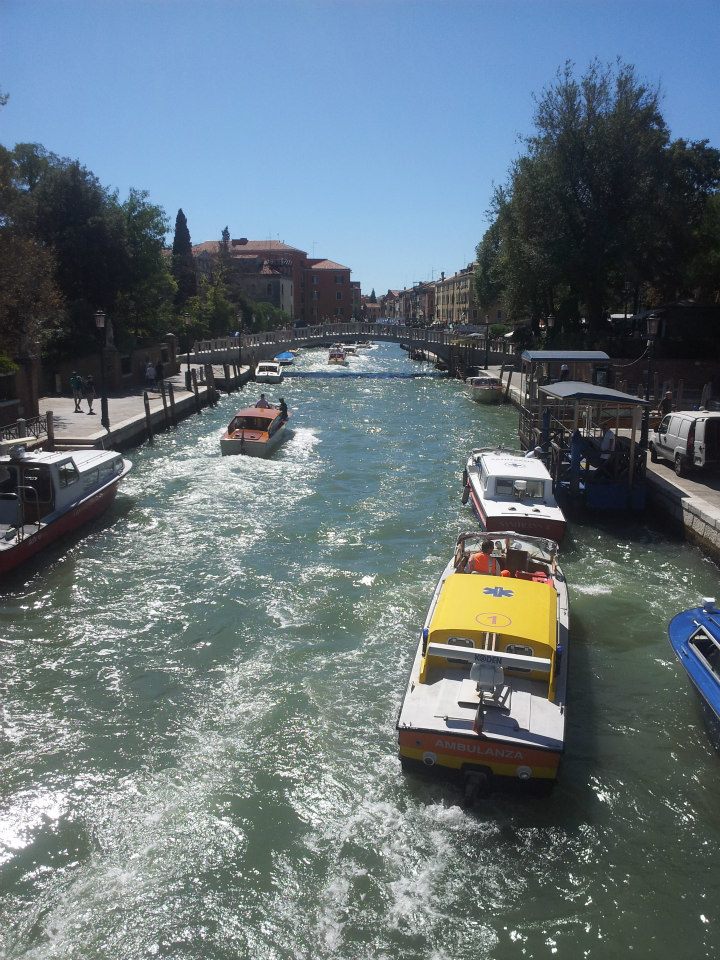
{"x": 183, "y": 264}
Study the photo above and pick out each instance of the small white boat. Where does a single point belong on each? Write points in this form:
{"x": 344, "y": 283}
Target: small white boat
{"x": 350, "y": 349}
{"x": 510, "y": 491}
{"x": 268, "y": 371}
{"x": 255, "y": 432}
{"x": 337, "y": 355}
{"x": 487, "y": 692}
{"x": 285, "y": 359}
{"x": 485, "y": 388}
{"x": 45, "y": 495}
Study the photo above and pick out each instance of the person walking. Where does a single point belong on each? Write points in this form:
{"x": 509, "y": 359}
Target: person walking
{"x": 158, "y": 374}
{"x": 666, "y": 404}
{"x": 76, "y": 385}
{"x": 149, "y": 375}
{"x": 90, "y": 392}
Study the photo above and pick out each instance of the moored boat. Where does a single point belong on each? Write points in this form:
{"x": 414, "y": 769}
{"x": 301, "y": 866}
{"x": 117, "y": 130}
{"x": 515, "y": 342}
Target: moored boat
{"x": 484, "y": 388}
{"x": 285, "y": 359}
{"x": 268, "y": 371}
{"x": 487, "y": 690}
{"x": 255, "y": 432}
{"x": 45, "y": 495}
{"x": 509, "y": 491}
{"x": 695, "y": 638}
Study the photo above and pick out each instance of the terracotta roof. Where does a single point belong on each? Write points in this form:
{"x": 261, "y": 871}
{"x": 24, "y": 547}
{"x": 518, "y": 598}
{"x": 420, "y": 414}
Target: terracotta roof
{"x": 327, "y": 265}
{"x": 249, "y": 247}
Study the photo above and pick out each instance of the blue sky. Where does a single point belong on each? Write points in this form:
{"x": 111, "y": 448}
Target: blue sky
{"x": 370, "y": 132}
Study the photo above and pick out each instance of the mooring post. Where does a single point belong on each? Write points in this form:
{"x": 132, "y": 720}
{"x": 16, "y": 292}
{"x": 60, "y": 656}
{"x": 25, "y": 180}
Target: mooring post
{"x": 226, "y": 373}
{"x": 164, "y": 403}
{"x": 173, "y": 414}
{"x": 50, "y": 430}
{"x": 148, "y": 419}
{"x": 195, "y": 390}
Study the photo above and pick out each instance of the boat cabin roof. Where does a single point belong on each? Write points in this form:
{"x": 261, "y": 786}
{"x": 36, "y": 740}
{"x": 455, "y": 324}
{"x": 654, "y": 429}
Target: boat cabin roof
{"x": 265, "y": 413}
{"x": 267, "y": 365}
{"x": 83, "y": 458}
{"x": 578, "y": 356}
{"x": 511, "y": 465}
{"x": 471, "y": 605}
{"x": 590, "y": 392}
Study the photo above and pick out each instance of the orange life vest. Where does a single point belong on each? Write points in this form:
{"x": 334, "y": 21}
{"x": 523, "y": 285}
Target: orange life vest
{"x": 484, "y": 563}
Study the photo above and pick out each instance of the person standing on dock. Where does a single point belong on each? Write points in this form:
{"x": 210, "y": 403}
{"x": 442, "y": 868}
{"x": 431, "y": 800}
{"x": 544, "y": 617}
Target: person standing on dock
{"x": 666, "y": 404}
{"x": 149, "y": 375}
{"x": 76, "y": 385}
{"x": 90, "y": 392}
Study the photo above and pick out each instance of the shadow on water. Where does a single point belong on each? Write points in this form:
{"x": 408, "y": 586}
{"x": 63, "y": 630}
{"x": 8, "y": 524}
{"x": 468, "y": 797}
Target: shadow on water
{"x": 60, "y": 550}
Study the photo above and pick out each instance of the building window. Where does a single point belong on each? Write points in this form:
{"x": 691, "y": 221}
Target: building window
{"x": 316, "y": 295}
{"x": 338, "y": 295}
{"x": 339, "y": 278}
{"x": 316, "y": 280}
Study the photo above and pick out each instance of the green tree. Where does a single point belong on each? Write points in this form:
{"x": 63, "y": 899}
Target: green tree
{"x": 183, "y": 262}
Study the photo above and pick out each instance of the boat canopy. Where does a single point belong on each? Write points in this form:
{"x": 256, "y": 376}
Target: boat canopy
{"x": 573, "y": 356}
{"x": 472, "y": 605}
{"x": 590, "y": 392}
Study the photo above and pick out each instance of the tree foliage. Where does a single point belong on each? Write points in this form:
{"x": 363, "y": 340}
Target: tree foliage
{"x": 600, "y": 198}
{"x": 183, "y": 263}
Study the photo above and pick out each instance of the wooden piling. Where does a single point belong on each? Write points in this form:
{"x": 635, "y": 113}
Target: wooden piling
{"x": 173, "y": 414}
{"x": 148, "y": 419}
{"x": 196, "y": 391}
{"x": 226, "y": 372}
{"x": 164, "y": 403}
{"x": 507, "y": 388}
{"x": 50, "y": 430}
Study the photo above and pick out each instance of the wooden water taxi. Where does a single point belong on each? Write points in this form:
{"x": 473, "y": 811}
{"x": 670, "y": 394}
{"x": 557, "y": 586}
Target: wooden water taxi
{"x": 484, "y": 388}
{"x": 510, "y": 491}
{"x": 255, "y": 432}
{"x": 45, "y": 495}
{"x": 268, "y": 371}
{"x": 337, "y": 355}
{"x": 487, "y": 691}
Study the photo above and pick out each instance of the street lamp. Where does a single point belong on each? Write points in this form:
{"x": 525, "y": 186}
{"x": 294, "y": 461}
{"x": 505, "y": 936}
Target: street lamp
{"x": 653, "y": 325}
{"x": 240, "y": 333}
{"x": 100, "y": 324}
{"x": 487, "y": 341}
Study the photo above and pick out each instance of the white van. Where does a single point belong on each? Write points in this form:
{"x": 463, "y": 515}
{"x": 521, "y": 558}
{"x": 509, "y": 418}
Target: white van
{"x": 688, "y": 438}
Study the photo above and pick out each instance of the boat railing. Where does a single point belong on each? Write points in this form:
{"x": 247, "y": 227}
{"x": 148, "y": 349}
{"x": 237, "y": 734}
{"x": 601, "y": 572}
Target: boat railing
{"x": 26, "y": 489}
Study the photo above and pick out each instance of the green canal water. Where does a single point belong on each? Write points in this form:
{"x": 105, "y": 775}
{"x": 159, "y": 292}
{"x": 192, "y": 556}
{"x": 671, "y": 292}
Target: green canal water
{"x": 199, "y": 697}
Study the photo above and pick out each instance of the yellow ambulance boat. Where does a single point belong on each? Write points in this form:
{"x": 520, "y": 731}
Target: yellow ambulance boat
{"x": 487, "y": 690}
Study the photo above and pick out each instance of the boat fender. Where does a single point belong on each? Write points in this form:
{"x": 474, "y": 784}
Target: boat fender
{"x": 465, "y": 477}
{"x": 465, "y": 494}
{"x": 429, "y": 758}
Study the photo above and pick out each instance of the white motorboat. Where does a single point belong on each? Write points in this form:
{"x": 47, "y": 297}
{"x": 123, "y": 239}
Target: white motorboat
{"x": 45, "y": 495}
{"x": 510, "y": 491}
{"x": 268, "y": 371}
{"x": 485, "y": 388}
{"x": 487, "y": 692}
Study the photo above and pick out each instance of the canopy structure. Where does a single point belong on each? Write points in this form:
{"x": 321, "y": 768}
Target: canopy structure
{"x": 571, "y": 390}
{"x": 564, "y": 356}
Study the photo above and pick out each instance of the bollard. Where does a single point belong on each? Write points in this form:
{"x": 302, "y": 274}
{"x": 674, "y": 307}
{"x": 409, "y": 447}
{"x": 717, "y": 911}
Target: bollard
{"x": 188, "y": 381}
{"x": 50, "y": 429}
{"x": 148, "y": 419}
{"x": 21, "y": 428}
{"x": 164, "y": 403}
{"x": 196, "y": 391}
{"x": 226, "y": 372}
{"x": 173, "y": 414}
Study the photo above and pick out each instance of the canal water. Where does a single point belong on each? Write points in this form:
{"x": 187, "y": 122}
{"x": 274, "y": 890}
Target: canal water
{"x": 199, "y": 698}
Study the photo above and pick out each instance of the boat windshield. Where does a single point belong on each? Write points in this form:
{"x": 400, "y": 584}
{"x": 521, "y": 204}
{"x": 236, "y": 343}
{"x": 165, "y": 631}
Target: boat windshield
{"x": 531, "y": 490}
{"x": 248, "y": 423}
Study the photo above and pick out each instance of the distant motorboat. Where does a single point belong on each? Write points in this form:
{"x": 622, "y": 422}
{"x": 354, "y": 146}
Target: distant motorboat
{"x": 268, "y": 372}
{"x": 337, "y": 355}
{"x": 485, "y": 388}
{"x": 285, "y": 358}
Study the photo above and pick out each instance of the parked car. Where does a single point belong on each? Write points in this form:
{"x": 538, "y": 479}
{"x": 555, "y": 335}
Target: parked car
{"x": 688, "y": 438}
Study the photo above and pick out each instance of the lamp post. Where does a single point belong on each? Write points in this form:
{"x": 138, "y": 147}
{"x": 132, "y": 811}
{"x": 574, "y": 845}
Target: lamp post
{"x": 653, "y": 324}
{"x": 487, "y": 341}
{"x": 240, "y": 333}
{"x": 100, "y": 324}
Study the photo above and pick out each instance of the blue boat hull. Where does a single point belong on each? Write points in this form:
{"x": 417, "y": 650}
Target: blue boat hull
{"x": 705, "y": 681}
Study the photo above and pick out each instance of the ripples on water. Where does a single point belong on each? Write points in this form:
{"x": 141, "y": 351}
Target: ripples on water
{"x": 199, "y": 699}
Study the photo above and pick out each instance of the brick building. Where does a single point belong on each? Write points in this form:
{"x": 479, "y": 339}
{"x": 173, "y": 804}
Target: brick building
{"x": 316, "y": 289}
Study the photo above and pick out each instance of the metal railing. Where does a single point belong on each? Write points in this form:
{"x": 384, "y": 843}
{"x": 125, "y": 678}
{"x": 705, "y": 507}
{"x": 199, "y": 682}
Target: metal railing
{"x": 23, "y": 428}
